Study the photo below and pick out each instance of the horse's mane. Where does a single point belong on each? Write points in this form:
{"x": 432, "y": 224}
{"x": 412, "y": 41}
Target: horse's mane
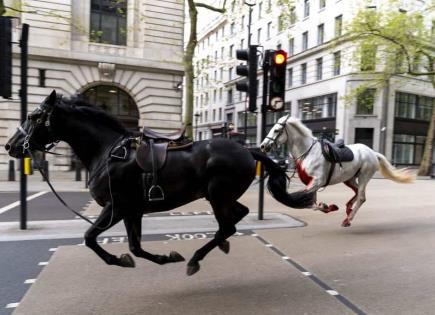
{"x": 96, "y": 114}
{"x": 300, "y": 127}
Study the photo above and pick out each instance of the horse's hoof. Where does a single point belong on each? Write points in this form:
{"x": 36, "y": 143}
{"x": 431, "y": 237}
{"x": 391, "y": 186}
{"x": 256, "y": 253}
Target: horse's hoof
{"x": 127, "y": 261}
{"x": 192, "y": 269}
{"x": 175, "y": 257}
{"x": 333, "y": 208}
{"x": 346, "y": 223}
{"x": 225, "y": 247}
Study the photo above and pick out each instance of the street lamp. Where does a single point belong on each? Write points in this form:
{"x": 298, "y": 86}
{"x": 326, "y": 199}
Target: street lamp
{"x": 196, "y": 125}
{"x": 250, "y": 4}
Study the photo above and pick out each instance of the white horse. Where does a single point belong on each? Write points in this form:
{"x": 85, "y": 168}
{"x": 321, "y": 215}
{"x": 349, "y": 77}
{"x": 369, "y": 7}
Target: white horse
{"x": 316, "y": 172}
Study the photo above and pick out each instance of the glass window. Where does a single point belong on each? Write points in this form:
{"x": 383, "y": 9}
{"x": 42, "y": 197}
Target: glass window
{"x": 291, "y": 47}
{"x": 408, "y": 149}
{"x": 368, "y": 58}
{"x": 318, "y": 107}
{"x": 319, "y": 68}
{"x": 322, "y": 4}
{"x": 337, "y": 63}
{"x": 413, "y": 106}
{"x": 365, "y": 102}
{"x": 306, "y": 8}
{"x": 290, "y": 77}
{"x": 269, "y": 27}
{"x": 303, "y": 73}
{"x": 305, "y": 40}
{"x": 338, "y": 26}
{"x": 320, "y": 34}
{"x": 108, "y": 23}
{"x": 292, "y": 15}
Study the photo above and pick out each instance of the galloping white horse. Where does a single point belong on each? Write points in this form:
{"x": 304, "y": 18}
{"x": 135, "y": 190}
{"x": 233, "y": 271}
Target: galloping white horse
{"x": 316, "y": 172}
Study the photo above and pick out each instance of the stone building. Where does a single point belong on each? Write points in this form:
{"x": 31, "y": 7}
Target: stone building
{"x": 318, "y": 78}
{"x": 125, "y": 56}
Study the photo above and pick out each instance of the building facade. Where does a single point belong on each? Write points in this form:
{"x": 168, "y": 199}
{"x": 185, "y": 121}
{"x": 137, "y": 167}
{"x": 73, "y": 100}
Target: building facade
{"x": 124, "y": 56}
{"x": 392, "y": 120}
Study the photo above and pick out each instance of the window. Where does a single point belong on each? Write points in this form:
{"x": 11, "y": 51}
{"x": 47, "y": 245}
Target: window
{"x": 337, "y": 63}
{"x": 222, "y": 52}
{"x": 223, "y": 31}
{"x": 221, "y": 74}
{"x": 220, "y": 94}
{"x": 291, "y": 47}
{"x": 368, "y": 57}
{"x": 292, "y": 15}
{"x": 230, "y": 97}
{"x": 214, "y": 115}
{"x": 318, "y": 107}
{"x": 41, "y": 77}
{"x": 230, "y": 73}
{"x": 214, "y": 96}
{"x": 365, "y": 102}
{"x": 217, "y": 36}
{"x": 231, "y": 51}
{"x": 303, "y": 73}
{"x": 259, "y": 35}
{"x": 338, "y": 25}
{"x": 242, "y": 22}
{"x": 320, "y": 34}
{"x": 242, "y": 43}
{"x": 260, "y": 9}
{"x": 322, "y": 4}
{"x": 306, "y": 8}
{"x": 215, "y": 55}
{"x": 281, "y": 22}
{"x": 233, "y": 28}
{"x": 408, "y": 149}
{"x": 290, "y": 77}
{"x": 319, "y": 68}
{"x": 269, "y": 26}
{"x": 220, "y": 113}
{"x": 108, "y": 22}
{"x": 305, "y": 40}
{"x": 413, "y": 106}
{"x": 206, "y": 116}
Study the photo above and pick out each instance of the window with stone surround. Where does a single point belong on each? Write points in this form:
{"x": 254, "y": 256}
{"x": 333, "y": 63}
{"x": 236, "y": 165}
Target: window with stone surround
{"x": 108, "y": 23}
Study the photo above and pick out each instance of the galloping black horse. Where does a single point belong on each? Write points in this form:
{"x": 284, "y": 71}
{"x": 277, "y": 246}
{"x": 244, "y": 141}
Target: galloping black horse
{"x": 219, "y": 170}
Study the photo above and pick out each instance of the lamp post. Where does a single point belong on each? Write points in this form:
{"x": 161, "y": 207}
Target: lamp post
{"x": 196, "y": 125}
{"x": 250, "y": 4}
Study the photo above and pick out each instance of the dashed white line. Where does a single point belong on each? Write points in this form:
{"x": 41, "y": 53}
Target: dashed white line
{"x": 285, "y": 257}
{"x": 268, "y": 245}
{"x": 29, "y": 281}
{"x": 12, "y": 305}
{"x": 43, "y": 263}
{"x": 307, "y": 273}
{"x": 332, "y": 292}
{"x": 254, "y": 235}
{"x": 17, "y": 203}
{"x": 53, "y": 249}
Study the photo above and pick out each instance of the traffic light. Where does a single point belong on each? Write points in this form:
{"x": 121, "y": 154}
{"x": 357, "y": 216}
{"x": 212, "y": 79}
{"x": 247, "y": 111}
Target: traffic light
{"x": 5, "y": 57}
{"x": 249, "y": 70}
{"x": 278, "y": 65}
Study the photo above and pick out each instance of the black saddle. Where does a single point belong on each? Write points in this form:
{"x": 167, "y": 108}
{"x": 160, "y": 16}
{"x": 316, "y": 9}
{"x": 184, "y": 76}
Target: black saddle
{"x": 335, "y": 153}
{"x": 151, "y": 157}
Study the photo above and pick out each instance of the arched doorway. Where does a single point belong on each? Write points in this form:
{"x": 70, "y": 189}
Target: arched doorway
{"x": 115, "y": 101}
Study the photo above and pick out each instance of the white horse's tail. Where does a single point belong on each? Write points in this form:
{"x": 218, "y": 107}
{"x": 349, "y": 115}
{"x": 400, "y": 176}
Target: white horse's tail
{"x": 402, "y": 175}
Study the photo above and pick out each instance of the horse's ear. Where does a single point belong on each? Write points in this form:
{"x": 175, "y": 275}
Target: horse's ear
{"x": 51, "y": 100}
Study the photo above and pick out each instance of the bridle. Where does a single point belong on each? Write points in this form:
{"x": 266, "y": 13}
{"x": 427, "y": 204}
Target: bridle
{"x": 30, "y": 144}
{"x": 279, "y": 133}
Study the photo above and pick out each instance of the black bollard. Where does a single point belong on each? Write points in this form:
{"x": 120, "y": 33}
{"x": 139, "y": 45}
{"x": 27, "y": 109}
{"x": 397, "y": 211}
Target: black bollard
{"x": 11, "y": 174}
{"x": 78, "y": 167}
{"x": 45, "y": 169}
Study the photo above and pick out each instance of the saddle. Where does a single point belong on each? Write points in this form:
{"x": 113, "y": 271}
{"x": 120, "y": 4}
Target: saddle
{"x": 151, "y": 157}
{"x": 335, "y": 153}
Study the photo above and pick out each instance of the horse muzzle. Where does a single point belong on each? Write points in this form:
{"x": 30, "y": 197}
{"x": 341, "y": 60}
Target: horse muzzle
{"x": 265, "y": 147}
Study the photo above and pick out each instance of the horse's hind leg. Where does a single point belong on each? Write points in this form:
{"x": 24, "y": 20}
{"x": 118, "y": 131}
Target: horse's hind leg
{"x": 352, "y": 184}
{"x": 106, "y": 220}
{"x": 363, "y": 180}
{"x": 133, "y": 226}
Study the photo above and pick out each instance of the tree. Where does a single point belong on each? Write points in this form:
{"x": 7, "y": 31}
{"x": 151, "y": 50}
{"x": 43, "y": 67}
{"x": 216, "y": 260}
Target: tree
{"x": 188, "y": 57}
{"x": 404, "y": 45}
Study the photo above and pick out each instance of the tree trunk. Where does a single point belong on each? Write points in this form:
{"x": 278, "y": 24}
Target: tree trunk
{"x": 188, "y": 68}
{"x": 426, "y": 162}
{"x": 2, "y": 8}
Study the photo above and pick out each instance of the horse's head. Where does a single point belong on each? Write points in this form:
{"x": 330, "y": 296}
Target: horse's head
{"x": 35, "y": 133}
{"x": 277, "y": 135}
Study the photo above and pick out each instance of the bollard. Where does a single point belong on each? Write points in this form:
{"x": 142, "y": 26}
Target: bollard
{"x": 45, "y": 169}
{"x": 11, "y": 174}
{"x": 78, "y": 168}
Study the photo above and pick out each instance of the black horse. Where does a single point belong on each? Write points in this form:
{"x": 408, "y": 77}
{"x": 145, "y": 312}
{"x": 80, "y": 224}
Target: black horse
{"x": 219, "y": 170}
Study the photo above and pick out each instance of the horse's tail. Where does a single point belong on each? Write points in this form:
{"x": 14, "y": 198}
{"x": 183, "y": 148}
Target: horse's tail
{"x": 402, "y": 175}
{"x": 277, "y": 184}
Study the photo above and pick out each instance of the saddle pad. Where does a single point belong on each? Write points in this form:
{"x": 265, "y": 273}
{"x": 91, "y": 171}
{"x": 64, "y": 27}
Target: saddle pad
{"x": 144, "y": 157}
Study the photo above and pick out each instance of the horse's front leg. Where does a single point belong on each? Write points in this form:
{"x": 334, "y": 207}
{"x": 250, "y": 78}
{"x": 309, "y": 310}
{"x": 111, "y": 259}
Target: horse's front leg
{"x": 313, "y": 186}
{"x": 133, "y": 226}
{"x": 108, "y": 218}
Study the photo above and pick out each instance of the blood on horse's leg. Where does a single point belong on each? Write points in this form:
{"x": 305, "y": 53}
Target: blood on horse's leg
{"x": 352, "y": 185}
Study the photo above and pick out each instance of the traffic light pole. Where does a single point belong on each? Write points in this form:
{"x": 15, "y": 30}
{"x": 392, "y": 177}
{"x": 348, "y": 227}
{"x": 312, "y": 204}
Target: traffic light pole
{"x": 245, "y": 131}
{"x": 266, "y": 66}
{"x": 23, "y": 96}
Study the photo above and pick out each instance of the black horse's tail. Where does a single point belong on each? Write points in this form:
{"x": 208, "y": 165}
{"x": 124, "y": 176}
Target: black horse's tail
{"x": 277, "y": 184}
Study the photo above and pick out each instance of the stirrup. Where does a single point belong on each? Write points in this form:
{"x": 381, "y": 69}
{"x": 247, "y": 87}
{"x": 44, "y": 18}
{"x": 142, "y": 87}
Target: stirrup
{"x": 156, "y": 193}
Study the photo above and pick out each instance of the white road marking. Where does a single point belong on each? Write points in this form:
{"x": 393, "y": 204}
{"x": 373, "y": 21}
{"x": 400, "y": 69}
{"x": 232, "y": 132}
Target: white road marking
{"x": 254, "y": 235}
{"x": 53, "y": 249}
{"x": 43, "y": 263}
{"x": 17, "y": 203}
{"x": 12, "y": 305}
{"x": 30, "y": 281}
{"x": 307, "y": 273}
{"x": 268, "y": 245}
{"x": 332, "y": 292}
{"x": 285, "y": 257}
